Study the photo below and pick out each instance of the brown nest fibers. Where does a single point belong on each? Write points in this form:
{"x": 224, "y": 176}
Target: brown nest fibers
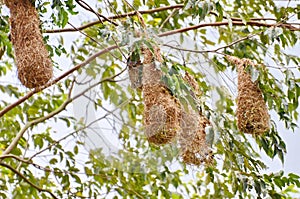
{"x": 31, "y": 56}
{"x": 192, "y": 139}
{"x": 162, "y": 110}
{"x": 194, "y": 149}
{"x": 252, "y": 113}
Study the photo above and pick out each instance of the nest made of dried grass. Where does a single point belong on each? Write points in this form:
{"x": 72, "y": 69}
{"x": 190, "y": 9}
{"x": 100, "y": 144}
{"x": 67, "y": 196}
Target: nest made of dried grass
{"x": 162, "y": 110}
{"x": 192, "y": 138}
{"x": 252, "y": 113}
{"x": 161, "y": 114}
{"x": 31, "y": 56}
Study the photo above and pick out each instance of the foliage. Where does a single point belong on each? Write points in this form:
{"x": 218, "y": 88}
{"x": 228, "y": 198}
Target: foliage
{"x": 59, "y": 130}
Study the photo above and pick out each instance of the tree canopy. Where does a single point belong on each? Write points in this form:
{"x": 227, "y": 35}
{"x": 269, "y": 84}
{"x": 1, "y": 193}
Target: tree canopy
{"x": 83, "y": 133}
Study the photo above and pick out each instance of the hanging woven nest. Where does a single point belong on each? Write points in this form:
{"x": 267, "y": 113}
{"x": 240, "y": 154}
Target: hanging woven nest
{"x": 192, "y": 138}
{"x": 161, "y": 110}
{"x": 161, "y": 114}
{"x": 31, "y": 56}
{"x": 252, "y": 113}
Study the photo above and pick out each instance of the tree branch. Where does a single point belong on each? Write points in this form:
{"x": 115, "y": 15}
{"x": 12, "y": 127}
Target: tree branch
{"x": 172, "y": 32}
{"x": 239, "y": 19}
{"x": 31, "y": 93}
{"x": 15, "y": 141}
{"x": 15, "y": 157}
{"x": 62, "y": 107}
{"x": 236, "y": 23}
{"x": 26, "y": 180}
{"x": 168, "y": 18}
{"x": 87, "y": 7}
{"x": 178, "y": 6}
{"x": 211, "y": 51}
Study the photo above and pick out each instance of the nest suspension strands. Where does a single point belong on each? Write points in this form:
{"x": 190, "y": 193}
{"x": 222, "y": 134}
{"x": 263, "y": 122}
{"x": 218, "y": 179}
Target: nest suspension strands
{"x": 192, "y": 138}
{"x": 135, "y": 70}
{"x": 162, "y": 110}
{"x": 252, "y": 113}
{"x": 31, "y": 56}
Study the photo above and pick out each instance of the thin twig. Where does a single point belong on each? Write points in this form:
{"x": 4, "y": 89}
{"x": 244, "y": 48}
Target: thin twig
{"x": 115, "y": 17}
{"x": 89, "y": 8}
{"x": 233, "y": 43}
{"x": 26, "y": 180}
{"x": 168, "y": 18}
{"x": 211, "y": 51}
{"x": 138, "y": 14}
{"x": 20, "y": 134}
{"x": 92, "y": 39}
{"x": 62, "y": 107}
{"x": 14, "y": 157}
{"x": 192, "y": 50}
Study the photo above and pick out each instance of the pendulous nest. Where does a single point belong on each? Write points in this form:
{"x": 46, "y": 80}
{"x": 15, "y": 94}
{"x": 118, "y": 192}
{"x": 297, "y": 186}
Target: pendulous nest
{"x": 192, "y": 138}
{"x": 252, "y": 113}
{"x": 162, "y": 110}
{"x": 161, "y": 114}
{"x": 31, "y": 56}
{"x": 194, "y": 149}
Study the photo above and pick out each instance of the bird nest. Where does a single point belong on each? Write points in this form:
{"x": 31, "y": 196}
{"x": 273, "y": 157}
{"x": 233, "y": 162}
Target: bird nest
{"x": 194, "y": 149}
{"x": 190, "y": 80}
{"x": 252, "y": 113}
{"x": 162, "y": 110}
{"x": 31, "y": 56}
{"x": 192, "y": 138}
{"x": 161, "y": 114}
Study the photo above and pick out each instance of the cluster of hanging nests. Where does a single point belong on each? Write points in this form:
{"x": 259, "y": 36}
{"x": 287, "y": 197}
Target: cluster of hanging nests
{"x": 166, "y": 120}
{"x": 31, "y": 56}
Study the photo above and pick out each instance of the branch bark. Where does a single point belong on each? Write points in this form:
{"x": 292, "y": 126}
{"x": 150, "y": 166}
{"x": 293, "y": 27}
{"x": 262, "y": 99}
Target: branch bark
{"x": 235, "y": 23}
